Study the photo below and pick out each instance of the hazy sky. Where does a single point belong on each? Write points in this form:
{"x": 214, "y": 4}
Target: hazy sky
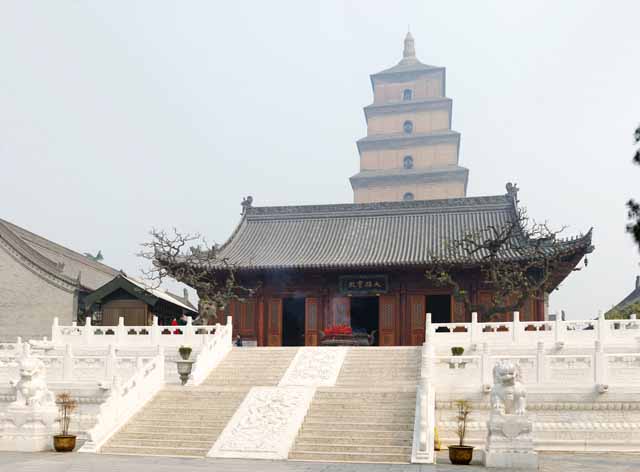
{"x": 118, "y": 116}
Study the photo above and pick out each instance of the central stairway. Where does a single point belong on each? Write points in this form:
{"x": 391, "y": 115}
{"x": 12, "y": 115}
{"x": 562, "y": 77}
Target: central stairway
{"x": 186, "y": 421}
{"x": 369, "y": 415}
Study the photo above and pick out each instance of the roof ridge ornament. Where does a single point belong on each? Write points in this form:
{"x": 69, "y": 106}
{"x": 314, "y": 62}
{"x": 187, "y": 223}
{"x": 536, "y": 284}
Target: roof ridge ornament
{"x": 247, "y": 203}
{"x": 512, "y": 191}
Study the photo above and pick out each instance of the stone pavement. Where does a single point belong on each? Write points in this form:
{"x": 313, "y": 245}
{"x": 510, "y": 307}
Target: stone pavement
{"x": 74, "y": 462}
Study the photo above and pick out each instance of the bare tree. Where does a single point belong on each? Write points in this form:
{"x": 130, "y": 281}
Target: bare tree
{"x": 517, "y": 261}
{"x": 188, "y": 258}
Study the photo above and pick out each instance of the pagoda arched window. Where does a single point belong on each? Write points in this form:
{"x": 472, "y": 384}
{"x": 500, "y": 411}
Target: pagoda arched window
{"x": 408, "y": 197}
{"x": 408, "y": 162}
{"x": 407, "y": 94}
{"x": 408, "y": 127}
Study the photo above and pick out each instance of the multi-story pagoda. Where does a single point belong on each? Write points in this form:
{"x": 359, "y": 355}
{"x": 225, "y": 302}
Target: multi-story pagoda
{"x": 410, "y": 151}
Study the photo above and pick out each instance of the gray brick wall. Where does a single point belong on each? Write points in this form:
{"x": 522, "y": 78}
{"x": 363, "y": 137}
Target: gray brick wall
{"x": 28, "y": 303}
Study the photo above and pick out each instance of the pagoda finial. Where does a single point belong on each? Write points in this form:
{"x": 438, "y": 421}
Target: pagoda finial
{"x": 409, "y": 51}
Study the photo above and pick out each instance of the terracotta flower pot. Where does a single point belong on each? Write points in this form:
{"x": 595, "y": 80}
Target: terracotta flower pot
{"x": 460, "y": 455}
{"x": 64, "y": 442}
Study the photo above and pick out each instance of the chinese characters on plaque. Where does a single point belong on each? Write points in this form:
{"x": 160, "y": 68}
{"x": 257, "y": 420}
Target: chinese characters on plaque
{"x": 364, "y": 284}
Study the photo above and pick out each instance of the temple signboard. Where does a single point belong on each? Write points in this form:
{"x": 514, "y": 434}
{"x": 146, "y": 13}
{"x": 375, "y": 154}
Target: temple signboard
{"x": 364, "y": 284}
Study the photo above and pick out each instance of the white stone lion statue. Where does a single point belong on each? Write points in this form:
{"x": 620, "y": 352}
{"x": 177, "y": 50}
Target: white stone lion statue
{"x": 508, "y": 394}
{"x": 31, "y": 388}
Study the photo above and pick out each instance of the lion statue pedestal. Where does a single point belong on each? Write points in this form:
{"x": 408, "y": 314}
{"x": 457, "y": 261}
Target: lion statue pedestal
{"x": 28, "y": 423}
{"x": 509, "y": 431}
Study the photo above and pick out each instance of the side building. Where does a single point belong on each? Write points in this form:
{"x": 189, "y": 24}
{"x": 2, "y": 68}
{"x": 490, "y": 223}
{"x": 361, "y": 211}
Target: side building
{"x": 40, "y": 280}
{"x": 364, "y": 265}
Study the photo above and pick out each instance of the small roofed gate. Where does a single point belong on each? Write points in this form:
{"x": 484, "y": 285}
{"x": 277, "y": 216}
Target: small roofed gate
{"x": 274, "y": 322}
{"x": 388, "y": 307}
{"x": 311, "y": 312}
{"x": 417, "y": 314}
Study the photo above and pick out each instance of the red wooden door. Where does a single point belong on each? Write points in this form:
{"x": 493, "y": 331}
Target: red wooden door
{"x": 311, "y": 311}
{"x": 247, "y": 318}
{"x": 387, "y": 316}
{"x": 274, "y": 327}
{"x": 341, "y": 311}
{"x": 417, "y": 313}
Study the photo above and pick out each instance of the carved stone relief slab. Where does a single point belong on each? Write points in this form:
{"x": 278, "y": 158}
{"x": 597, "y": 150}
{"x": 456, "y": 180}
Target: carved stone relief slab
{"x": 266, "y": 424}
{"x": 315, "y": 367}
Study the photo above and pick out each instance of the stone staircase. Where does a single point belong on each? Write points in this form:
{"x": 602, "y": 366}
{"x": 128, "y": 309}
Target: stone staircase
{"x": 186, "y": 421}
{"x": 369, "y": 415}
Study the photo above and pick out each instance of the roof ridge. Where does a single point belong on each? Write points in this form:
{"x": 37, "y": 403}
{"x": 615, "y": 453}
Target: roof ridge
{"x": 376, "y": 207}
{"x": 41, "y": 240}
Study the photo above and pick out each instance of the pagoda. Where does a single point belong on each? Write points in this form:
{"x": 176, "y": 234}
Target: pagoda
{"x": 410, "y": 151}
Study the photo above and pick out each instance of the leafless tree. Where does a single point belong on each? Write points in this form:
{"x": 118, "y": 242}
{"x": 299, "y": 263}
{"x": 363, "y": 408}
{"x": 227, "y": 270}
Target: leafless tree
{"x": 188, "y": 258}
{"x": 517, "y": 261}
{"x": 633, "y": 206}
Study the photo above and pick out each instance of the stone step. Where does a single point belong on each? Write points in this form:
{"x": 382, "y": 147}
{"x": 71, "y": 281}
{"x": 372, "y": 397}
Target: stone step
{"x": 192, "y": 429}
{"x": 352, "y": 448}
{"x": 349, "y": 457}
{"x": 354, "y": 418}
{"x": 167, "y": 442}
{"x": 348, "y": 435}
{"x": 382, "y": 396}
{"x": 407, "y": 440}
{"x": 154, "y": 422}
{"x": 157, "y": 436}
{"x": 384, "y": 408}
{"x": 375, "y": 426}
{"x": 156, "y": 451}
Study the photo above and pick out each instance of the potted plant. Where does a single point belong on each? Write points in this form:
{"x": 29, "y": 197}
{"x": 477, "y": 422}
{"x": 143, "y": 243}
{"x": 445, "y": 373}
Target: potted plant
{"x": 65, "y": 442}
{"x": 457, "y": 350}
{"x": 185, "y": 352}
{"x": 460, "y": 453}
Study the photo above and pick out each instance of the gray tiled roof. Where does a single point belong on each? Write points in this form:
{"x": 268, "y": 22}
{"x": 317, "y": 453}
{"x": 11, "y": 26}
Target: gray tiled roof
{"x": 411, "y": 175}
{"x": 57, "y": 259}
{"x": 373, "y": 235}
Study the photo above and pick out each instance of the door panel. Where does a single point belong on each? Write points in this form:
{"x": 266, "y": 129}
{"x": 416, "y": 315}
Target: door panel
{"x": 387, "y": 315}
{"x": 341, "y": 311}
{"x": 417, "y": 313}
{"x": 274, "y": 328}
{"x": 311, "y": 311}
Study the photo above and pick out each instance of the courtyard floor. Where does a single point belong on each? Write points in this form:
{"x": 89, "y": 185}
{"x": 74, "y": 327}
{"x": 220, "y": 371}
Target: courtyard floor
{"x": 74, "y": 462}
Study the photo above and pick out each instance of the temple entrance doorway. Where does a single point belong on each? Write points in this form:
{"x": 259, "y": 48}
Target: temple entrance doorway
{"x": 440, "y": 308}
{"x": 365, "y": 316}
{"x": 293, "y": 321}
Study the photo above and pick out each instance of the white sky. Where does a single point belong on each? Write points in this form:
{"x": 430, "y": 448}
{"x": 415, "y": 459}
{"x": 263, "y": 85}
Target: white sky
{"x": 119, "y": 116}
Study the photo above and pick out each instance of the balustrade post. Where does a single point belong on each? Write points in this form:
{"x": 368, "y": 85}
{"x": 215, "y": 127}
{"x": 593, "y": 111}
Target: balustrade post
{"x": 602, "y": 328}
{"x": 230, "y": 328}
{"x": 540, "y": 362}
{"x": 473, "y": 331}
{"x": 67, "y": 364}
{"x": 55, "y": 331}
{"x": 19, "y": 346}
{"x": 110, "y": 363}
{"x": 120, "y": 332}
{"x": 559, "y": 331}
{"x": 155, "y": 331}
{"x": 599, "y": 364}
{"x": 427, "y": 328}
{"x": 188, "y": 332}
{"x": 87, "y": 331}
{"x": 633, "y": 316}
{"x": 485, "y": 367}
{"x": 515, "y": 327}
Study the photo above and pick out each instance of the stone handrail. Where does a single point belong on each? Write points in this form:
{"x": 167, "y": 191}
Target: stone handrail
{"x": 214, "y": 350}
{"x": 125, "y": 400}
{"x": 529, "y": 333}
{"x": 133, "y": 336}
{"x": 422, "y": 450}
{"x": 588, "y": 368}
